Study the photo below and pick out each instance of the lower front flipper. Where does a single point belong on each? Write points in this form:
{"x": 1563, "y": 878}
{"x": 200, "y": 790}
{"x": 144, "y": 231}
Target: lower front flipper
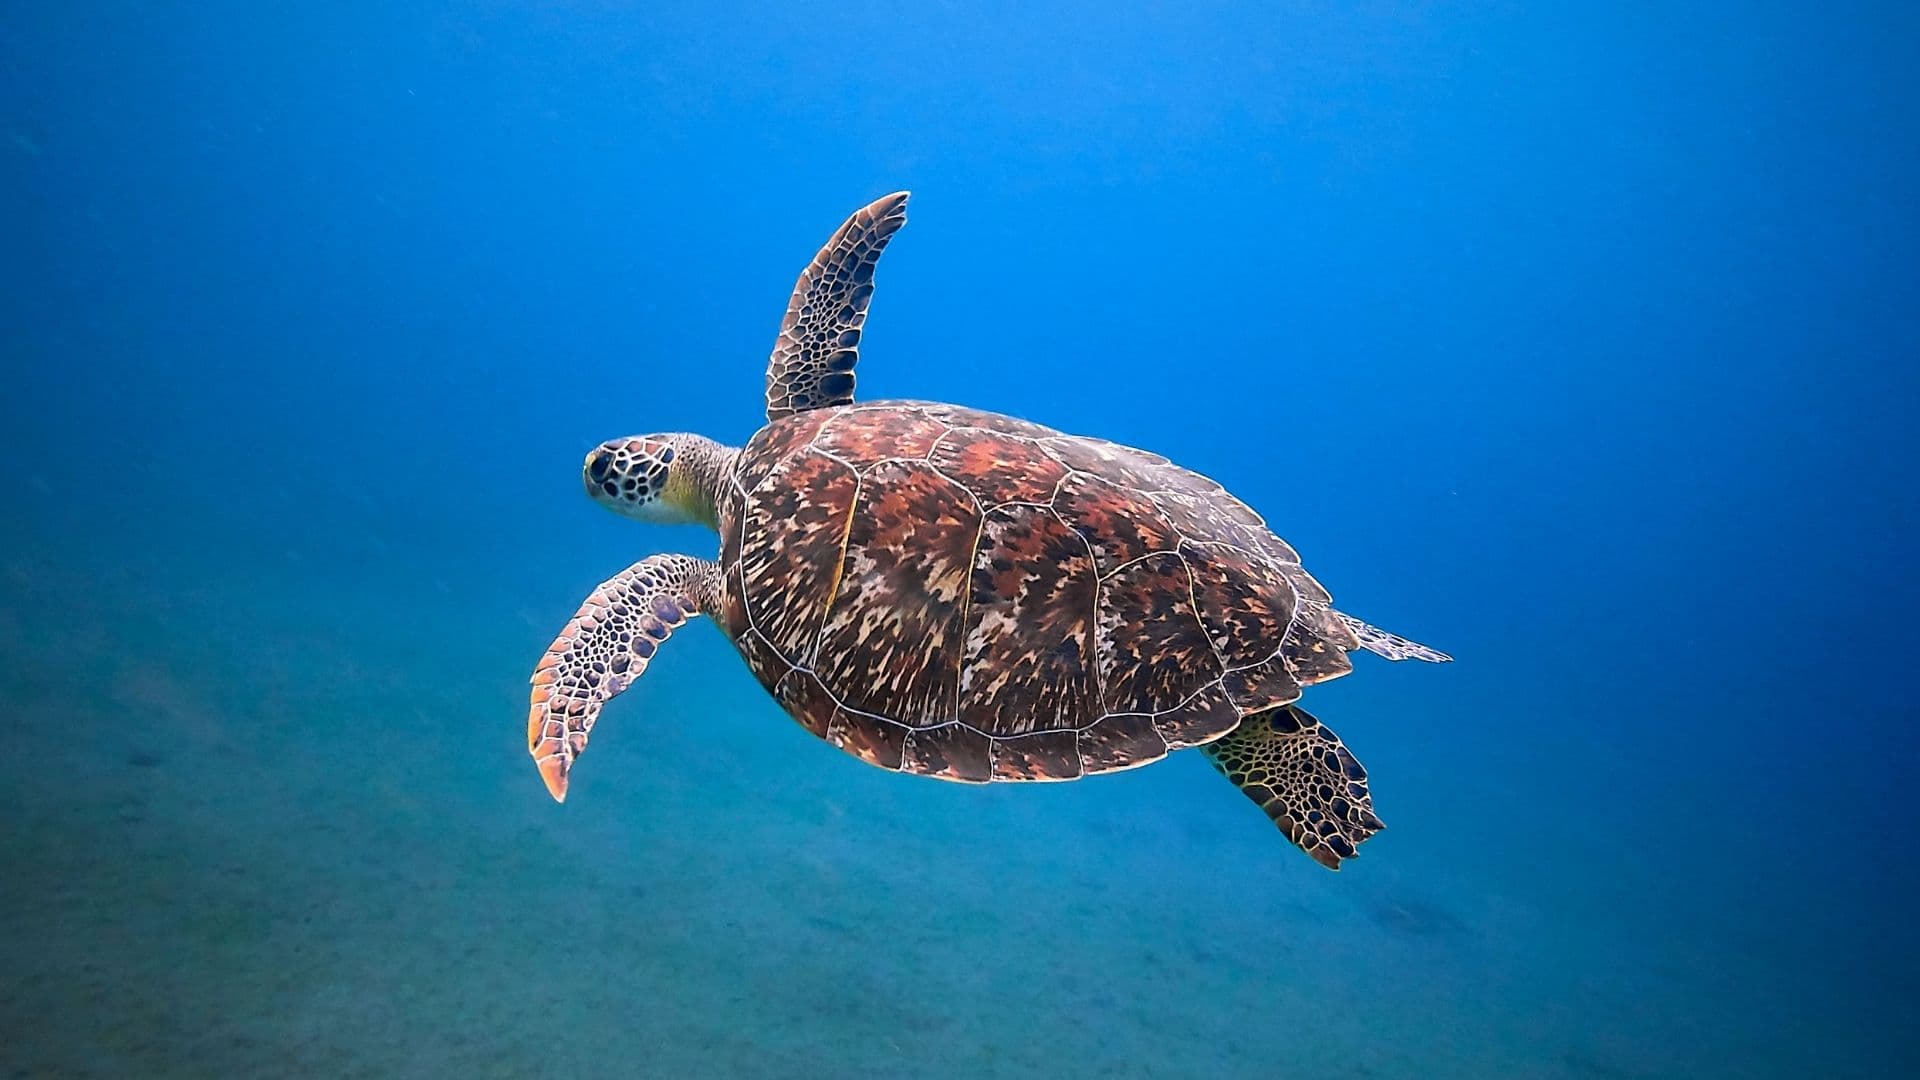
{"x": 605, "y": 647}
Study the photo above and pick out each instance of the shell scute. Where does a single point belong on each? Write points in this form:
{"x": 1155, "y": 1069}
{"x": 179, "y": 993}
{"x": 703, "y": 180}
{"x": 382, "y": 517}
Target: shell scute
{"x": 894, "y": 629}
{"x": 1117, "y": 525}
{"x": 765, "y": 662}
{"x": 950, "y": 752}
{"x": 872, "y": 740}
{"x": 1247, "y": 604}
{"x": 1203, "y": 718}
{"x": 806, "y": 701}
{"x": 1202, "y": 510}
{"x": 1043, "y": 755}
{"x": 1262, "y": 685}
{"x": 775, "y": 443}
{"x": 868, "y": 435}
{"x": 1153, "y": 651}
{"x": 1121, "y": 741}
{"x": 994, "y": 423}
{"x": 1029, "y": 658}
{"x": 796, "y": 520}
{"x": 1312, "y": 649}
{"x": 998, "y": 470}
{"x": 1122, "y": 465}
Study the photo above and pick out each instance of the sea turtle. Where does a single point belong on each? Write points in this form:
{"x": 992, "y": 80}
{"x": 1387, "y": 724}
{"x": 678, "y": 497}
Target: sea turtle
{"x": 966, "y": 595}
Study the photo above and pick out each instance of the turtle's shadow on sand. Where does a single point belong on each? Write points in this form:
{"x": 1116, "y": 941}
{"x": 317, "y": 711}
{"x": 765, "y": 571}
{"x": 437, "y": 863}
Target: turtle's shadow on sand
{"x": 1416, "y": 918}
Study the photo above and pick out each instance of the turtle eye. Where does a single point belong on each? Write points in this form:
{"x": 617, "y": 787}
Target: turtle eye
{"x": 597, "y": 468}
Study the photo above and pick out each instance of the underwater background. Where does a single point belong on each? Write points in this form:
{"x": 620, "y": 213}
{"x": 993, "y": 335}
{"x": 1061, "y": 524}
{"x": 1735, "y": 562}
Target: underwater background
{"x": 1576, "y": 340}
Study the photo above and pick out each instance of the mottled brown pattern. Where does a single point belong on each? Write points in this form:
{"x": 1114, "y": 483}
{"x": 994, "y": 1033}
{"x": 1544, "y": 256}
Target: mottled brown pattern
{"x": 996, "y": 423}
{"x": 1123, "y": 465}
{"x": 895, "y": 624}
{"x": 775, "y": 443}
{"x": 1120, "y": 742}
{"x": 793, "y": 527}
{"x": 1262, "y": 685}
{"x": 1029, "y": 653}
{"x": 874, "y": 741}
{"x": 1201, "y": 512}
{"x": 1314, "y": 650}
{"x": 1317, "y": 647}
{"x": 1245, "y": 603}
{"x": 1306, "y": 587}
{"x": 1044, "y": 755}
{"x": 1153, "y": 651}
{"x": 806, "y": 701}
{"x": 766, "y": 664}
{"x": 1208, "y": 716}
{"x": 951, "y": 752}
{"x": 869, "y": 434}
{"x": 998, "y": 469}
{"x": 1118, "y": 525}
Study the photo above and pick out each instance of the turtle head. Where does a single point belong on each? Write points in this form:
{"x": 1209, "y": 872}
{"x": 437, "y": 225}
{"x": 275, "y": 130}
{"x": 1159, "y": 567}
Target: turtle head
{"x": 670, "y": 479}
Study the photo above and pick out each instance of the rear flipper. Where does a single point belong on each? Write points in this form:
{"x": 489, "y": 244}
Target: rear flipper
{"x": 1306, "y": 781}
{"x": 1392, "y": 646}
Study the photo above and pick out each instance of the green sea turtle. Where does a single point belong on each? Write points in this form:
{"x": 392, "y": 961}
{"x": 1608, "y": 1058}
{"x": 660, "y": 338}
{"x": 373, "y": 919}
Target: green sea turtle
{"x": 965, "y": 595}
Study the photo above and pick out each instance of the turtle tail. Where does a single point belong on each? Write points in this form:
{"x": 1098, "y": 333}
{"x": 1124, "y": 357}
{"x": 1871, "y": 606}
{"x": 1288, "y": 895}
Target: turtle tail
{"x": 1297, "y": 770}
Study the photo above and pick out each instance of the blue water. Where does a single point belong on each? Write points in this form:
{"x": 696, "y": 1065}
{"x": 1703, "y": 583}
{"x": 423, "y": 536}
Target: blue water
{"x": 1578, "y": 343}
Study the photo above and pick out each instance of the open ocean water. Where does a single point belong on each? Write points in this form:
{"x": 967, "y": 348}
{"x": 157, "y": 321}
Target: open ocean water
{"x": 1576, "y": 340}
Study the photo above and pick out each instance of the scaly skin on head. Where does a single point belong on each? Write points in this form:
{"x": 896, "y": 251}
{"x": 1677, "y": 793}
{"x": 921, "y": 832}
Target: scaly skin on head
{"x": 668, "y": 479}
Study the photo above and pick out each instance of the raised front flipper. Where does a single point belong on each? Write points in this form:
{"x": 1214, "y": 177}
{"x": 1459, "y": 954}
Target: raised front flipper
{"x": 1304, "y": 778}
{"x": 813, "y": 359}
{"x": 604, "y": 649}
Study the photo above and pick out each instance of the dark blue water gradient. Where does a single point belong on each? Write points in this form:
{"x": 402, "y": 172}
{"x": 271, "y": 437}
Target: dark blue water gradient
{"x": 1579, "y": 343}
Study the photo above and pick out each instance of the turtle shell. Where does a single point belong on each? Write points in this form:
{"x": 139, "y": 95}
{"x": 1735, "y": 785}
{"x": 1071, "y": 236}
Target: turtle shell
{"x": 974, "y": 597}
